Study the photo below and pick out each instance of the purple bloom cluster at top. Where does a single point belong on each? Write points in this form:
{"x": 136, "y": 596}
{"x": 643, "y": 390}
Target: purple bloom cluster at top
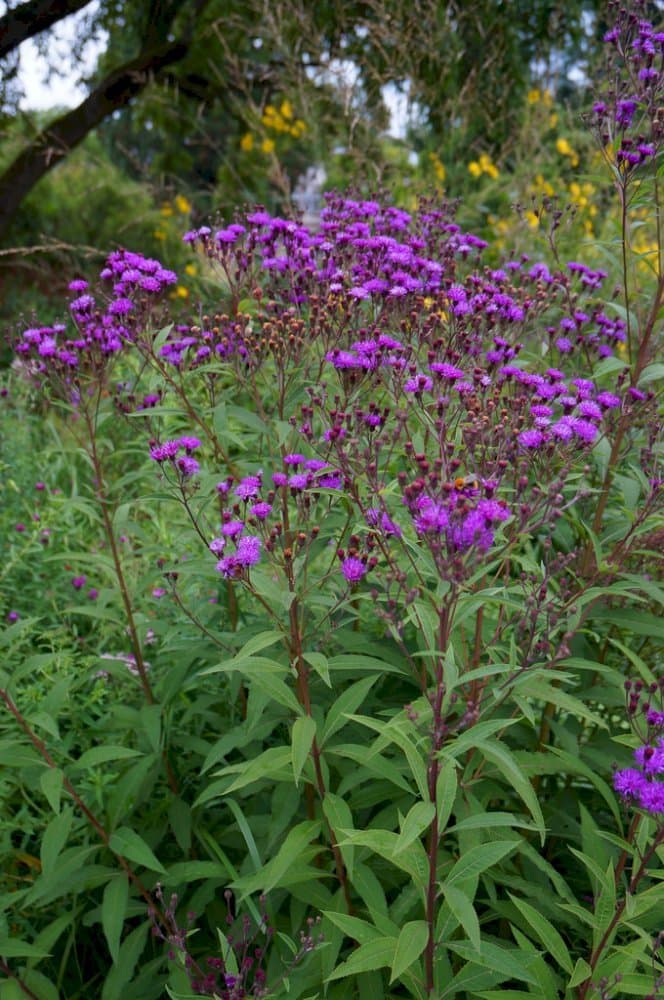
{"x": 640, "y": 784}
{"x": 253, "y": 508}
{"x": 463, "y": 524}
{"x": 169, "y": 451}
{"x": 362, "y": 250}
{"x": 629, "y": 116}
{"x": 102, "y": 327}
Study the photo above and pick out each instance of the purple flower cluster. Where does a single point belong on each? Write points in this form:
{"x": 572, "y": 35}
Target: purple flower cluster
{"x": 641, "y": 785}
{"x": 462, "y": 520}
{"x": 169, "y": 451}
{"x": 629, "y": 117}
{"x": 102, "y": 326}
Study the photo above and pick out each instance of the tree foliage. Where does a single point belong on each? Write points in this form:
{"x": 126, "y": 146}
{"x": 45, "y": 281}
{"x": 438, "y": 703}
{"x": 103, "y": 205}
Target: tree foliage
{"x": 201, "y": 67}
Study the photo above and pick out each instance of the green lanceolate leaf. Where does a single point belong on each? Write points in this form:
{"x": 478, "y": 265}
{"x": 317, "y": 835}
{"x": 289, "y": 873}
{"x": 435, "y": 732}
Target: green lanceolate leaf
{"x": 546, "y": 933}
{"x": 131, "y": 846}
{"x": 113, "y": 910}
{"x": 302, "y": 737}
{"x": 464, "y": 911}
{"x": 479, "y": 858}
{"x": 376, "y": 954}
{"x": 410, "y": 944}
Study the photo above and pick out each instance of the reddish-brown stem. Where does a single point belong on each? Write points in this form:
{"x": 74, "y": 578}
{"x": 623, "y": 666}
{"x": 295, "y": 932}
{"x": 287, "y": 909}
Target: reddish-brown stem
{"x": 4, "y": 968}
{"x": 105, "y": 507}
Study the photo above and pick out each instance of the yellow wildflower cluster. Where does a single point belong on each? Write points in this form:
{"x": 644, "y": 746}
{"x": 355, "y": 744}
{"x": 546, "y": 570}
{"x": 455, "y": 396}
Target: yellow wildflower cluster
{"x": 581, "y": 196}
{"x": 541, "y": 187}
{"x": 179, "y": 206}
{"x": 537, "y": 96}
{"x": 282, "y": 120}
{"x": 438, "y": 166}
{"x": 564, "y": 148}
{"x": 483, "y": 165}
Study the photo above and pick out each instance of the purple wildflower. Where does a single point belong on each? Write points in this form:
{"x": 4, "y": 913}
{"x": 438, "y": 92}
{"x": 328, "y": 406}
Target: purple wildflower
{"x": 353, "y": 569}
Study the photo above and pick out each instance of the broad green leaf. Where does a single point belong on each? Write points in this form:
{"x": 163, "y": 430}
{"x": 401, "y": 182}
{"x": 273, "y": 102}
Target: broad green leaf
{"x": 269, "y": 765}
{"x": 499, "y": 755}
{"x": 417, "y": 820}
{"x": 194, "y": 871}
{"x": 245, "y": 830}
{"x": 446, "y": 791}
{"x": 489, "y": 821}
{"x": 320, "y": 665}
{"x": 373, "y": 765}
{"x": 337, "y": 812}
{"x": 123, "y": 970}
{"x": 50, "y": 782}
{"x": 413, "y": 859}
{"x": 410, "y": 944}
{"x": 464, "y": 911}
{"x": 278, "y": 690}
{"x": 581, "y": 972}
{"x": 128, "y": 843}
{"x": 346, "y": 704}
{"x": 479, "y": 858}
{"x": 376, "y": 954}
{"x": 113, "y": 910}
{"x": 302, "y": 737}
{"x": 151, "y": 722}
{"x": 507, "y": 960}
{"x": 15, "y": 948}
{"x": 545, "y": 932}
{"x": 289, "y": 854}
{"x": 54, "y": 839}
{"x": 605, "y": 906}
{"x": 103, "y": 754}
{"x": 653, "y": 373}
{"x": 353, "y": 927}
{"x": 574, "y": 765}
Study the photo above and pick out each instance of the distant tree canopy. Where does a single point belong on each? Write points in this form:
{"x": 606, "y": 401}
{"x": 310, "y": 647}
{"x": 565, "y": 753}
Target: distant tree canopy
{"x": 178, "y": 80}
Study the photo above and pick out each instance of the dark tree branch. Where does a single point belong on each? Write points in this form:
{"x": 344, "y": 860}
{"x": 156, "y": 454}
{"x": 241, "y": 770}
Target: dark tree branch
{"x": 56, "y": 141}
{"x": 31, "y": 18}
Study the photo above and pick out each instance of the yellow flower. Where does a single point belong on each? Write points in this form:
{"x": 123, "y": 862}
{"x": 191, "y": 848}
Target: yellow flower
{"x": 247, "y": 142}
{"x": 428, "y": 302}
{"x": 182, "y": 292}
{"x": 563, "y": 147}
{"x": 159, "y": 234}
{"x": 542, "y": 186}
{"x": 166, "y": 210}
{"x": 182, "y": 204}
{"x": 267, "y": 146}
{"x": 438, "y": 166}
{"x": 474, "y": 168}
{"x": 533, "y": 96}
{"x": 286, "y": 110}
{"x": 532, "y": 219}
{"x": 547, "y": 97}
{"x": 298, "y": 128}
{"x": 190, "y": 269}
{"x": 553, "y": 120}
{"x": 487, "y": 166}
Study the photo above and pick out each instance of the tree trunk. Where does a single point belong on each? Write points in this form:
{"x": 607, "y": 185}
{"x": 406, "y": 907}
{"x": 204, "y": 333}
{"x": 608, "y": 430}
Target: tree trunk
{"x": 31, "y": 18}
{"x": 159, "y": 51}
